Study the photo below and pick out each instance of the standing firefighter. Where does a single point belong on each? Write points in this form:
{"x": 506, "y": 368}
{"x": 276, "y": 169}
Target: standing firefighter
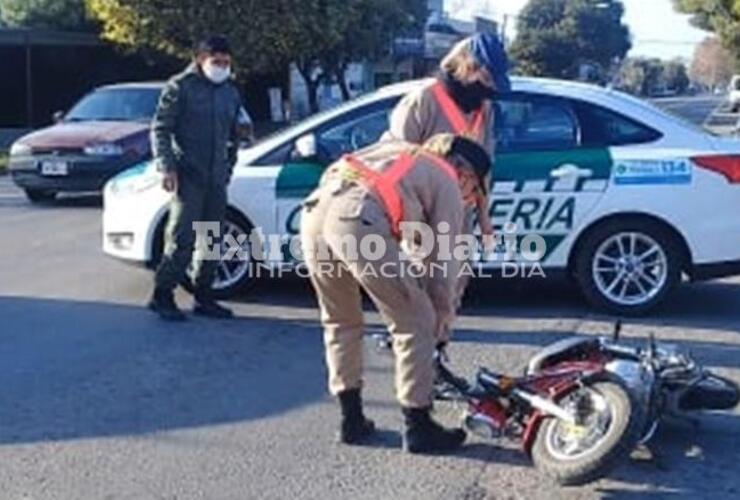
{"x": 194, "y": 138}
{"x": 458, "y": 101}
{"x": 369, "y": 197}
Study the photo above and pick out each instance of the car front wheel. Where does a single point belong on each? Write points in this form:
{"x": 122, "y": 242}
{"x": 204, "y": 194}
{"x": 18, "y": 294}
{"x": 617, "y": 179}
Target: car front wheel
{"x": 628, "y": 267}
{"x": 234, "y": 272}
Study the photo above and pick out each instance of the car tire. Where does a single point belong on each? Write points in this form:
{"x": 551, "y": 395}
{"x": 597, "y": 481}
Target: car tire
{"x": 628, "y": 267}
{"x": 40, "y": 195}
{"x": 243, "y": 278}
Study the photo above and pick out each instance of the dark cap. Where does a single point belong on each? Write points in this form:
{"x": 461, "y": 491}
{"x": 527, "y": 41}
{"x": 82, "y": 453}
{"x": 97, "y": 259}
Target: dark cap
{"x": 474, "y": 154}
{"x": 489, "y": 52}
{"x": 214, "y": 44}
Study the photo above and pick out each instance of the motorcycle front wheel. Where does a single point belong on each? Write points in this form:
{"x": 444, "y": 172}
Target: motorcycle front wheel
{"x": 610, "y": 427}
{"x": 711, "y": 393}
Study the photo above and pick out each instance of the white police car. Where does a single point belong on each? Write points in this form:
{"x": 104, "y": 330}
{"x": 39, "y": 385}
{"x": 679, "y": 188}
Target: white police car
{"x": 627, "y": 198}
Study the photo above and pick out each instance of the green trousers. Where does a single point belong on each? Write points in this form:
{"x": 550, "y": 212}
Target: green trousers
{"x": 194, "y": 202}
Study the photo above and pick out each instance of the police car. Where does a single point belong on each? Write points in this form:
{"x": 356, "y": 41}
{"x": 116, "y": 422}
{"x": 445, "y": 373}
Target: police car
{"x": 627, "y": 199}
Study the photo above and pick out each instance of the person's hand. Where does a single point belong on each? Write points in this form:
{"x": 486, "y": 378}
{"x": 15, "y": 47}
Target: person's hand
{"x": 169, "y": 182}
{"x": 442, "y": 351}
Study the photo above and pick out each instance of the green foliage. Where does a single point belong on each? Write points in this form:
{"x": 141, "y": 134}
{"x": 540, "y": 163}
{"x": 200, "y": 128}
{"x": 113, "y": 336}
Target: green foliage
{"x": 555, "y": 37}
{"x": 320, "y": 36}
{"x": 719, "y": 16}
{"x": 48, "y": 14}
{"x": 643, "y": 77}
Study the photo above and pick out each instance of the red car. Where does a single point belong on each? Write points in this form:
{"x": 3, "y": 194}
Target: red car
{"x": 106, "y": 132}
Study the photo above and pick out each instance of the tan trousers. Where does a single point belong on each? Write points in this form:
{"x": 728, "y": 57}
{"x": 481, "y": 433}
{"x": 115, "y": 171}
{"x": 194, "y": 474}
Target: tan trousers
{"x": 338, "y": 274}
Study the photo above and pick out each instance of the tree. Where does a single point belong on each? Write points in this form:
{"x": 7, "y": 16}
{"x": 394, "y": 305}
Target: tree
{"x": 675, "y": 76}
{"x": 718, "y": 16}
{"x": 556, "y": 37}
{"x": 639, "y": 76}
{"x": 712, "y": 65}
{"x": 320, "y": 36}
{"x": 257, "y": 29}
{"x": 643, "y": 77}
{"x": 330, "y": 34}
{"x": 48, "y": 14}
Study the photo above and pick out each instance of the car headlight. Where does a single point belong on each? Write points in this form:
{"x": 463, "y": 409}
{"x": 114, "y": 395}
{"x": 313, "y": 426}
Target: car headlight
{"x": 19, "y": 149}
{"x": 105, "y": 149}
{"x": 135, "y": 180}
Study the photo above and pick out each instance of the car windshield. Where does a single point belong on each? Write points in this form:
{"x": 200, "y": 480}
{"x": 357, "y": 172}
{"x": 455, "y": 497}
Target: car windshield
{"x": 116, "y": 105}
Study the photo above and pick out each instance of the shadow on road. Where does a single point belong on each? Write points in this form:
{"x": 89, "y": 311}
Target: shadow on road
{"x": 706, "y": 454}
{"x": 73, "y": 370}
{"x": 711, "y": 305}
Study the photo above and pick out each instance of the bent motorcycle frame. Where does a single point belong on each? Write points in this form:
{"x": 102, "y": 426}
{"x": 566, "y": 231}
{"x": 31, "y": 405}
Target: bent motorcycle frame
{"x": 536, "y": 394}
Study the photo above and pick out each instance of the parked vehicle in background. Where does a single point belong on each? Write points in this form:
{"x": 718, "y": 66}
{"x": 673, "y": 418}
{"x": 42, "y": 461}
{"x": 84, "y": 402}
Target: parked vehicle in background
{"x": 106, "y": 132}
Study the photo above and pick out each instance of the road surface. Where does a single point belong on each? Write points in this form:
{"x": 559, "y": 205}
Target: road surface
{"x": 100, "y": 400}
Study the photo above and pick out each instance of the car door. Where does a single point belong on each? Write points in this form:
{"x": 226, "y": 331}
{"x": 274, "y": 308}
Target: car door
{"x": 546, "y": 180}
{"x": 300, "y": 176}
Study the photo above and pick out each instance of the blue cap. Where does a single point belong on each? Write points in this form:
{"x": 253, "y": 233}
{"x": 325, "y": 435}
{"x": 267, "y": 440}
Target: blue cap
{"x": 489, "y": 52}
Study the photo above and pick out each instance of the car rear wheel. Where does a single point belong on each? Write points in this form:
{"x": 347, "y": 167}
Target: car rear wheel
{"x": 40, "y": 195}
{"x": 628, "y": 267}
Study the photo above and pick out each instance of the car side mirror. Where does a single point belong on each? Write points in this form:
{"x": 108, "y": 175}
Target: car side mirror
{"x": 58, "y": 116}
{"x": 306, "y": 147}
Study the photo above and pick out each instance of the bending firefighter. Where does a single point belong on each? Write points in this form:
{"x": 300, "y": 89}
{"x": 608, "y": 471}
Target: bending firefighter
{"x": 353, "y": 237}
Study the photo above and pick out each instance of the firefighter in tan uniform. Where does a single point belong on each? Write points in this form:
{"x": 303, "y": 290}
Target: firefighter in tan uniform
{"x": 458, "y": 101}
{"x": 371, "y": 196}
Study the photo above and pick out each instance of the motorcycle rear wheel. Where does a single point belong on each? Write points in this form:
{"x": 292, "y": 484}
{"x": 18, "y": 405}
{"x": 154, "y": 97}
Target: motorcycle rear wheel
{"x": 712, "y": 393}
{"x": 622, "y": 422}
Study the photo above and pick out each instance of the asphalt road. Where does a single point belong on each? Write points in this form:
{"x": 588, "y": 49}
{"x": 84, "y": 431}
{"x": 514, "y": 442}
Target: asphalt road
{"x": 694, "y": 109}
{"x": 100, "y": 400}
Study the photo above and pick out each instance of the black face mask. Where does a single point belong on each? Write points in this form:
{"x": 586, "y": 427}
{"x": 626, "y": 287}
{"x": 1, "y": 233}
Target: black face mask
{"x": 469, "y": 96}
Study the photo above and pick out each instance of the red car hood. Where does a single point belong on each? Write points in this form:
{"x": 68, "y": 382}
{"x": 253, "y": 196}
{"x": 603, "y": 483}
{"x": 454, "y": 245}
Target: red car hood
{"x": 77, "y": 135}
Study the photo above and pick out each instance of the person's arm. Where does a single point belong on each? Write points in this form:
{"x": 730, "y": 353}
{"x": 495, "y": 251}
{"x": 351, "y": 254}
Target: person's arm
{"x": 444, "y": 288}
{"x": 162, "y": 134}
{"x": 406, "y": 120}
{"x": 236, "y": 132}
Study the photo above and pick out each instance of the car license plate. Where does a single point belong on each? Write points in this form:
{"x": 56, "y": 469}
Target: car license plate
{"x": 54, "y": 167}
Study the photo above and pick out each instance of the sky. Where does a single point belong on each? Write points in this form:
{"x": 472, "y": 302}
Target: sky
{"x": 657, "y": 30}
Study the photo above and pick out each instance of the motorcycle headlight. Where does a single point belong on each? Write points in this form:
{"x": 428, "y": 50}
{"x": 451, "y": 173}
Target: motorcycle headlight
{"x": 19, "y": 149}
{"x": 104, "y": 149}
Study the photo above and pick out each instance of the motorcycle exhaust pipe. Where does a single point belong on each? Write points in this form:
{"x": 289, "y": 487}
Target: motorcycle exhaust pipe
{"x": 546, "y": 406}
{"x": 481, "y": 425}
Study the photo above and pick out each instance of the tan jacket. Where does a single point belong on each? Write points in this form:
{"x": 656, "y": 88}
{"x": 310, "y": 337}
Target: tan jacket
{"x": 429, "y": 196}
{"x": 418, "y": 117}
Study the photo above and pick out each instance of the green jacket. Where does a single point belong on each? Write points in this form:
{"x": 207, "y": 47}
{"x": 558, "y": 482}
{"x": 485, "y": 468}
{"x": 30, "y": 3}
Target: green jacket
{"x": 194, "y": 131}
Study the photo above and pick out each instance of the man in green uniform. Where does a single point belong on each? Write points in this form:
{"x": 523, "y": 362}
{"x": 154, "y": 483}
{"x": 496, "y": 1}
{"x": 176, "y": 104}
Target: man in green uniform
{"x": 194, "y": 142}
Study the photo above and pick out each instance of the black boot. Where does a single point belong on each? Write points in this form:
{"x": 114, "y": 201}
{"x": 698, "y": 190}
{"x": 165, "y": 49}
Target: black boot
{"x": 163, "y": 303}
{"x": 354, "y": 427}
{"x": 206, "y": 305}
{"x": 424, "y": 435}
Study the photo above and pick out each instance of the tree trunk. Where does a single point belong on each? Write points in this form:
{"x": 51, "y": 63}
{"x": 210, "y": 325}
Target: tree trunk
{"x": 305, "y": 68}
{"x": 312, "y": 87}
{"x": 341, "y": 74}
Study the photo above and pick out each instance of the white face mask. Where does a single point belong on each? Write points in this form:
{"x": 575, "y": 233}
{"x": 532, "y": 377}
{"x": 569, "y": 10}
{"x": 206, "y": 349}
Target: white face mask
{"x": 216, "y": 74}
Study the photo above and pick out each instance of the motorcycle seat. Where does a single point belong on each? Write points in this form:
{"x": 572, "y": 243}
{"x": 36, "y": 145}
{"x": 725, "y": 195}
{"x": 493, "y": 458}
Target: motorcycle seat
{"x": 557, "y": 351}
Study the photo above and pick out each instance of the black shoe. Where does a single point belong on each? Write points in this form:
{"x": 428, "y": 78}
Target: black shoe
{"x": 354, "y": 427}
{"x": 424, "y": 435}
{"x": 163, "y": 303}
{"x": 205, "y": 305}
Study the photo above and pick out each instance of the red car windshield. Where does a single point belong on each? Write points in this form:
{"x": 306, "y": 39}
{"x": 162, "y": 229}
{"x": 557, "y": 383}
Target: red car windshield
{"x": 116, "y": 105}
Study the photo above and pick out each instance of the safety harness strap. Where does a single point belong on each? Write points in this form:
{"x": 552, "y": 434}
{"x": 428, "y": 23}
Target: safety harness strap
{"x": 471, "y": 129}
{"x": 385, "y": 184}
